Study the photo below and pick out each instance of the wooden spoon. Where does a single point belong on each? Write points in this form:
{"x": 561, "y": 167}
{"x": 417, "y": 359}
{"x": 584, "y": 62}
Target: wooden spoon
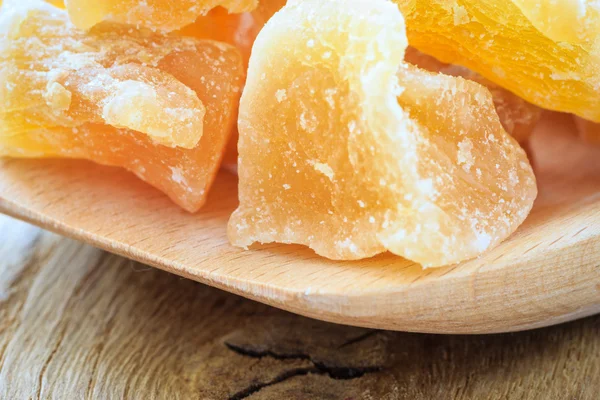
{"x": 547, "y": 272}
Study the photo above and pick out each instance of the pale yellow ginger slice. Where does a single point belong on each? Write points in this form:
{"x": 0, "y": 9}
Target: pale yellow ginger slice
{"x": 347, "y": 149}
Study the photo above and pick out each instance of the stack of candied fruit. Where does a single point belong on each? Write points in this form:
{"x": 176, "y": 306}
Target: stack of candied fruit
{"x": 362, "y": 126}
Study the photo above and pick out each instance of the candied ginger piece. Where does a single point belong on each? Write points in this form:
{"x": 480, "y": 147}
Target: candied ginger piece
{"x": 589, "y": 131}
{"x": 497, "y": 40}
{"x": 348, "y": 150}
{"x": 159, "y": 106}
{"x": 518, "y": 117}
{"x": 239, "y": 30}
{"x": 166, "y": 15}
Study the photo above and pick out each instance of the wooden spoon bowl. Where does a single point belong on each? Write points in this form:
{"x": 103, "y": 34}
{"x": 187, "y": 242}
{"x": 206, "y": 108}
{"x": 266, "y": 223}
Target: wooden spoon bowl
{"x": 547, "y": 272}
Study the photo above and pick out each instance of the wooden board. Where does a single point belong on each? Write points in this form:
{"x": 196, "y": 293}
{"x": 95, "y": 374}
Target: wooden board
{"x": 546, "y": 273}
{"x": 77, "y": 323}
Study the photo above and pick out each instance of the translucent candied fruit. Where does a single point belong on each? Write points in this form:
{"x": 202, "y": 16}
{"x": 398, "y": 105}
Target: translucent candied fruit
{"x": 534, "y": 49}
{"x": 571, "y": 21}
{"x": 165, "y": 15}
{"x": 159, "y": 106}
{"x": 518, "y": 117}
{"x": 239, "y": 30}
{"x": 219, "y": 24}
{"x": 347, "y": 149}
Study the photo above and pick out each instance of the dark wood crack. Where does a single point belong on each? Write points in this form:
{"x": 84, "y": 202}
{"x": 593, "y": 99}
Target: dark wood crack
{"x": 255, "y": 387}
{"x": 319, "y": 368}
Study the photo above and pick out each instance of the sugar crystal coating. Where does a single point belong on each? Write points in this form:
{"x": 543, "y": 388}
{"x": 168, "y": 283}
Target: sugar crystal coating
{"x": 518, "y": 117}
{"x": 348, "y": 150}
{"x": 160, "y": 106}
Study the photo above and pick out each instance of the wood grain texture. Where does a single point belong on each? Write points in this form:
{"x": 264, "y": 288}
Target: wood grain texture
{"x": 546, "y": 273}
{"x": 78, "y": 323}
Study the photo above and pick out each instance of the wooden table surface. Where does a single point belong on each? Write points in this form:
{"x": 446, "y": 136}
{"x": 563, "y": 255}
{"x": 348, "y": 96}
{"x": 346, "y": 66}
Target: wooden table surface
{"x": 79, "y": 323}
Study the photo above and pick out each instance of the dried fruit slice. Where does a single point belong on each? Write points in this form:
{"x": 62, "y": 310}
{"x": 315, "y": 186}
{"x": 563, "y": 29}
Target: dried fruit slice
{"x": 495, "y": 39}
{"x": 518, "y": 117}
{"x": 160, "y": 106}
{"x": 167, "y": 15}
{"x": 347, "y": 149}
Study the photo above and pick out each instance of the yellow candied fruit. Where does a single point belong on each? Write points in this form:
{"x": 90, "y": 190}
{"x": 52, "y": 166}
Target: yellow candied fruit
{"x": 167, "y": 15}
{"x": 556, "y": 66}
{"x": 159, "y": 106}
{"x": 518, "y": 117}
{"x": 571, "y": 21}
{"x": 349, "y": 150}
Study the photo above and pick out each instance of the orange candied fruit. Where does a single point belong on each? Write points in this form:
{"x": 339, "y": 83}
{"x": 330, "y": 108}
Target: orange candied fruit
{"x": 518, "y": 117}
{"x": 347, "y": 149}
{"x": 589, "y": 131}
{"x": 238, "y": 29}
{"x": 159, "y": 106}
{"x": 167, "y": 15}
{"x": 545, "y": 51}
{"x": 219, "y": 24}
